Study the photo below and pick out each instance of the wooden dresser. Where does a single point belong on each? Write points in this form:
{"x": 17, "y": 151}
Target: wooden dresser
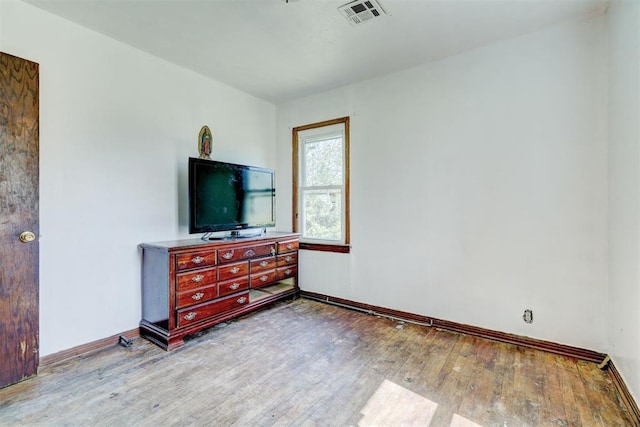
{"x": 190, "y": 285}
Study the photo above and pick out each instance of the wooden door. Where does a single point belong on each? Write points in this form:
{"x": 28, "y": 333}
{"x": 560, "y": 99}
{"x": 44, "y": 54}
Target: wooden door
{"x": 19, "y": 140}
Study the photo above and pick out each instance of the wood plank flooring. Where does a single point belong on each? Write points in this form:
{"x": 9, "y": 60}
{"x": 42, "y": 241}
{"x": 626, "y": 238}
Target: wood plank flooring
{"x": 305, "y": 363}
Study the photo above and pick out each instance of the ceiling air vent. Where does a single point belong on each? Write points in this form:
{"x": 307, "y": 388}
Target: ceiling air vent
{"x": 360, "y": 11}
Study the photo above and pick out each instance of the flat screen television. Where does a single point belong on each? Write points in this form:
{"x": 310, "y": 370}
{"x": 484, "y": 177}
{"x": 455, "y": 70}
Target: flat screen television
{"x": 229, "y": 197}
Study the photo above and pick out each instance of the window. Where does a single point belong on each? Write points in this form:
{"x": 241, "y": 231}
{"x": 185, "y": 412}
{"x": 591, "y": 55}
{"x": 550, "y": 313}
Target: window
{"x": 321, "y": 185}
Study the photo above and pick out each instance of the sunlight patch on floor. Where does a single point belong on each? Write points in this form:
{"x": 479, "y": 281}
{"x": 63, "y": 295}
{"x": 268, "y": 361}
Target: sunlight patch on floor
{"x": 394, "y": 405}
{"x": 460, "y": 421}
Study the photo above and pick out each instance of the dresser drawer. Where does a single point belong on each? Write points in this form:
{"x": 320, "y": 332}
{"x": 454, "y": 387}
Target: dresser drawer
{"x": 196, "y": 296}
{"x": 288, "y": 246}
{"x": 284, "y": 272}
{"x": 286, "y": 259}
{"x": 203, "y": 311}
{"x": 232, "y": 286}
{"x": 263, "y": 264}
{"x": 230, "y": 271}
{"x": 245, "y": 252}
{"x": 195, "y": 259}
{"x": 263, "y": 278}
{"x": 197, "y": 279}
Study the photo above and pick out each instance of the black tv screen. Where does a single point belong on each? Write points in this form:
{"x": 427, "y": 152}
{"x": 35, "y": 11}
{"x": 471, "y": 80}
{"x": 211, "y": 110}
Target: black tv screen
{"x": 226, "y": 196}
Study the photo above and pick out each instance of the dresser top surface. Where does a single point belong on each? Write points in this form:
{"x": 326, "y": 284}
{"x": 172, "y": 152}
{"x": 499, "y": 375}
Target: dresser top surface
{"x": 197, "y": 243}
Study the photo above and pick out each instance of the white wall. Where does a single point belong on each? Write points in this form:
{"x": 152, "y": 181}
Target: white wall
{"x": 479, "y": 187}
{"x": 624, "y": 190}
{"x": 116, "y": 129}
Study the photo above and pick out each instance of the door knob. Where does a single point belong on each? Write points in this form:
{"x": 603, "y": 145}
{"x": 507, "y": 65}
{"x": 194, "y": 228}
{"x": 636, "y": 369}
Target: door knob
{"x": 27, "y": 236}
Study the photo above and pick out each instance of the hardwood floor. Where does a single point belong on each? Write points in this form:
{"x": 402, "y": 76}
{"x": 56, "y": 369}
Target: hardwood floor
{"x": 305, "y": 363}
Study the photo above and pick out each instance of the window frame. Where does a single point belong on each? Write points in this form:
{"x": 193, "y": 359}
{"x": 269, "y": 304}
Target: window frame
{"x": 342, "y": 247}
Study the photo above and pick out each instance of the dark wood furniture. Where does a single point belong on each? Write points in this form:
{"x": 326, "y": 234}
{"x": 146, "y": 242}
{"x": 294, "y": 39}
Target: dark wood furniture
{"x": 190, "y": 285}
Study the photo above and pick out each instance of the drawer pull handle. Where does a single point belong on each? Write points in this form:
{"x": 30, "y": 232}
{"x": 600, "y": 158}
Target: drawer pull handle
{"x": 264, "y": 264}
{"x": 190, "y": 316}
{"x": 249, "y": 252}
{"x": 288, "y": 258}
{"x": 234, "y": 286}
{"x": 241, "y": 300}
{"x": 197, "y": 278}
{"x": 272, "y": 250}
{"x": 289, "y": 246}
{"x": 234, "y": 270}
{"x": 228, "y": 255}
{"x": 264, "y": 278}
{"x": 287, "y": 272}
{"x": 197, "y": 260}
{"x": 197, "y": 296}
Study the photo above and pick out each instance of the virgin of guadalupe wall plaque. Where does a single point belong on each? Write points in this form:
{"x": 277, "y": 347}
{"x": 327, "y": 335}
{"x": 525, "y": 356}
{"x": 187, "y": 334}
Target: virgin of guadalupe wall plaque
{"x": 205, "y": 143}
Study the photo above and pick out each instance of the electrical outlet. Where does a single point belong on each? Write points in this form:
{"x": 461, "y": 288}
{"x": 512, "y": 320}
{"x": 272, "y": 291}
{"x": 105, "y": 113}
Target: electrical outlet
{"x": 528, "y": 316}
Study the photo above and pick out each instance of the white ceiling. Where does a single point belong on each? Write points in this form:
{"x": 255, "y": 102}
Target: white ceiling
{"x": 280, "y": 51}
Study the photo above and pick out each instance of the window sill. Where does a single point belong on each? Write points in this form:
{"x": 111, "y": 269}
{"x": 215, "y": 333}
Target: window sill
{"x": 322, "y": 247}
